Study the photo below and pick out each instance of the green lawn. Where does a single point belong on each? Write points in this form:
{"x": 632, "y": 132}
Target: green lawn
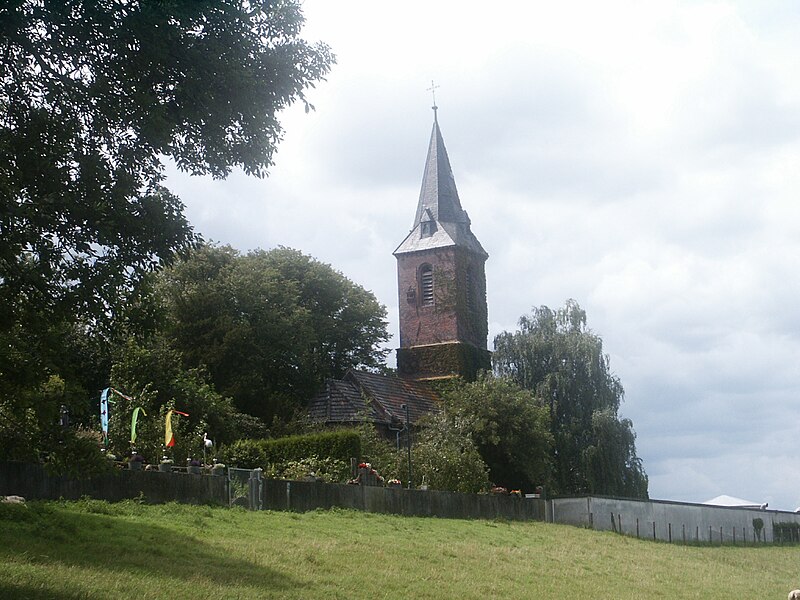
{"x": 92, "y": 549}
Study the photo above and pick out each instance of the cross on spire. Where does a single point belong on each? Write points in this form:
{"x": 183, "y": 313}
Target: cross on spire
{"x": 432, "y": 90}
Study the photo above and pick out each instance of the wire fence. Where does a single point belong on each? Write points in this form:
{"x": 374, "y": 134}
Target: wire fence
{"x": 245, "y": 488}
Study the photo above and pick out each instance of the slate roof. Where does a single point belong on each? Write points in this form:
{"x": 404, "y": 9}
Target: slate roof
{"x": 439, "y": 202}
{"x": 360, "y": 396}
{"x": 439, "y": 193}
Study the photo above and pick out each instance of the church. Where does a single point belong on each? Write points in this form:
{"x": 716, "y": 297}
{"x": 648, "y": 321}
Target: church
{"x": 443, "y": 316}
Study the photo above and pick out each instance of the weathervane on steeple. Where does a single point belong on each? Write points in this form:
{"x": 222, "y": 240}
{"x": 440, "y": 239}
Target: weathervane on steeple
{"x": 432, "y": 90}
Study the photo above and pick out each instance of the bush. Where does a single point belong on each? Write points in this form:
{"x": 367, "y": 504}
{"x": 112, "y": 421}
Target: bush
{"x": 244, "y": 454}
{"x": 342, "y": 445}
{"x": 78, "y": 454}
{"x": 329, "y": 470}
{"x": 446, "y": 458}
{"x": 250, "y": 454}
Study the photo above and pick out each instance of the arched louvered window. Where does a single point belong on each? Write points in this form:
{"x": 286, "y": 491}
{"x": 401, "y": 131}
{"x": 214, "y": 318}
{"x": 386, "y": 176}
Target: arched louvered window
{"x": 426, "y": 285}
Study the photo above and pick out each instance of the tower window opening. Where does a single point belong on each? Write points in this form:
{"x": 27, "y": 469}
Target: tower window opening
{"x": 428, "y": 228}
{"x": 426, "y": 285}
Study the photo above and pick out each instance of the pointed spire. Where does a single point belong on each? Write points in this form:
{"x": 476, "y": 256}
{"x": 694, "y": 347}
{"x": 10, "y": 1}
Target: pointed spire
{"x": 440, "y": 221}
{"x": 439, "y": 194}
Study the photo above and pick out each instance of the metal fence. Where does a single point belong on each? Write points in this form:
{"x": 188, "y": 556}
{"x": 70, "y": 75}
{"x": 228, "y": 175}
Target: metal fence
{"x": 245, "y": 488}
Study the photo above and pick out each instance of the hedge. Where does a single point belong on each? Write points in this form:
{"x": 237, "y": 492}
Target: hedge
{"x": 251, "y": 454}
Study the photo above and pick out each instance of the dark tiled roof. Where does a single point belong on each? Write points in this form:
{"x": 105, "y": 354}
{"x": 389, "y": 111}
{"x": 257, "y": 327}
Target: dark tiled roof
{"x": 392, "y": 392}
{"x": 339, "y": 402}
{"x": 361, "y": 396}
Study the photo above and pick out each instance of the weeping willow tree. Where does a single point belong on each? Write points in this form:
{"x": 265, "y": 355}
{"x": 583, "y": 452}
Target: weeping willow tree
{"x": 557, "y": 357}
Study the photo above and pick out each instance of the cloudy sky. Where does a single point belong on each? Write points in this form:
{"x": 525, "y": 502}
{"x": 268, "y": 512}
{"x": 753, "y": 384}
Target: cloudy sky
{"x": 641, "y": 157}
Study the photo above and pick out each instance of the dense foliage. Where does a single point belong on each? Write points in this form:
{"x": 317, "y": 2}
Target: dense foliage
{"x": 269, "y": 326}
{"x": 260, "y": 453}
{"x": 152, "y": 375}
{"x": 94, "y": 96}
{"x": 446, "y": 457}
{"x": 509, "y": 425}
{"x": 559, "y": 359}
{"x": 443, "y": 455}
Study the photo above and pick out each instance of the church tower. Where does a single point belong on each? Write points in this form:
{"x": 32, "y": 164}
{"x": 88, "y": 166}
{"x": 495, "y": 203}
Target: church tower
{"x": 441, "y": 281}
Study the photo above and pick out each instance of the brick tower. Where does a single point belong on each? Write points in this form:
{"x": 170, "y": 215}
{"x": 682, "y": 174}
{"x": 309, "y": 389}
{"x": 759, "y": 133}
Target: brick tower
{"x": 441, "y": 281}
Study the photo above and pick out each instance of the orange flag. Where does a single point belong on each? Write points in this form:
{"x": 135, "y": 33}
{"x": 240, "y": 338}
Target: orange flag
{"x": 169, "y": 439}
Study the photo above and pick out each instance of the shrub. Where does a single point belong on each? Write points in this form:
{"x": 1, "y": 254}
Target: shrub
{"x": 77, "y": 455}
{"x": 342, "y": 445}
{"x": 330, "y": 470}
{"x": 245, "y": 454}
{"x": 250, "y": 454}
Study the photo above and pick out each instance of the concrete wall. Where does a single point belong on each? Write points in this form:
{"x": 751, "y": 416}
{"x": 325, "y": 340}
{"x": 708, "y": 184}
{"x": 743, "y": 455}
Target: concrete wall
{"x": 668, "y": 521}
{"x": 304, "y": 496}
{"x": 34, "y": 483}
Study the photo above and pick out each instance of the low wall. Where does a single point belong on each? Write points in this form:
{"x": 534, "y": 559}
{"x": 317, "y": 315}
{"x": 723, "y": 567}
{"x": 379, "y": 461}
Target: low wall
{"x": 653, "y": 519}
{"x": 309, "y": 495}
{"x": 33, "y": 482}
{"x": 669, "y": 521}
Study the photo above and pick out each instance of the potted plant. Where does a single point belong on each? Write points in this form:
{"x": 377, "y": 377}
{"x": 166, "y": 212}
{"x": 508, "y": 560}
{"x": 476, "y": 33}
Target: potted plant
{"x": 135, "y": 462}
{"x": 165, "y": 466}
{"x": 193, "y": 466}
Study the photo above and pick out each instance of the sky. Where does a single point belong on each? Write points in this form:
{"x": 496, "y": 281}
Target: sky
{"x": 641, "y": 157}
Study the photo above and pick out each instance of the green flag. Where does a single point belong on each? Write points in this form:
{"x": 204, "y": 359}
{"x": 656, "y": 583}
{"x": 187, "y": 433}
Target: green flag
{"x": 133, "y": 422}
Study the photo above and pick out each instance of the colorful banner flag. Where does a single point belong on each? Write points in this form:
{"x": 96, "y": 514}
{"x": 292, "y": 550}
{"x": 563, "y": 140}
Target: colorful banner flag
{"x": 104, "y": 412}
{"x": 135, "y": 416}
{"x": 169, "y": 439}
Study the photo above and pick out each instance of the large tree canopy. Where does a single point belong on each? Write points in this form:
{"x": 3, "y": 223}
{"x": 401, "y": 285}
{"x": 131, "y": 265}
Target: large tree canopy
{"x": 509, "y": 425}
{"x": 270, "y": 326}
{"x": 94, "y": 94}
{"x": 557, "y": 357}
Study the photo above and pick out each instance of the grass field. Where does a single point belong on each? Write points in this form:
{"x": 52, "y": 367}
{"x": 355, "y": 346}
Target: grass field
{"x": 92, "y": 549}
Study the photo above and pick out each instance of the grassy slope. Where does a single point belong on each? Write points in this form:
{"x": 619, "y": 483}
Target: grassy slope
{"x": 91, "y": 549}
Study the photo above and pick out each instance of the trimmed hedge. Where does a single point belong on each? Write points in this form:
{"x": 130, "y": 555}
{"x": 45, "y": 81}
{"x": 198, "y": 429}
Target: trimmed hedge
{"x": 251, "y": 454}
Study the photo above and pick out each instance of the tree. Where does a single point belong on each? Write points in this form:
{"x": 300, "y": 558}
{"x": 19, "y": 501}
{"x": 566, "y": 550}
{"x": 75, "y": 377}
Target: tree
{"x": 150, "y": 373}
{"x": 558, "y": 358}
{"x": 508, "y": 425}
{"x": 94, "y": 95}
{"x": 269, "y": 326}
{"x": 446, "y": 457}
